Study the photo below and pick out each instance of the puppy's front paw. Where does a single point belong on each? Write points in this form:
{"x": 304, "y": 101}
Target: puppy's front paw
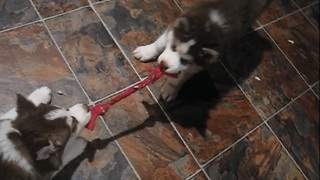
{"x": 40, "y": 95}
{"x": 145, "y": 53}
{"x": 169, "y": 92}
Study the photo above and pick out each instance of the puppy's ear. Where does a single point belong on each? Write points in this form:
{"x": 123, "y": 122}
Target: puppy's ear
{"x": 212, "y": 53}
{"x": 24, "y": 105}
{"x": 184, "y": 25}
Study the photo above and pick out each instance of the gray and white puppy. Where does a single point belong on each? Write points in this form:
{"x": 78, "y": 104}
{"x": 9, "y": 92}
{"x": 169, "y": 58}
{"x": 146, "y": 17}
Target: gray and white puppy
{"x": 199, "y": 37}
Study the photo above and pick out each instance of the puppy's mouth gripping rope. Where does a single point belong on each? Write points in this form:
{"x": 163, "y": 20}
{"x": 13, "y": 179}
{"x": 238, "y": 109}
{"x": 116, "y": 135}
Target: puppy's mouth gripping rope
{"x": 155, "y": 74}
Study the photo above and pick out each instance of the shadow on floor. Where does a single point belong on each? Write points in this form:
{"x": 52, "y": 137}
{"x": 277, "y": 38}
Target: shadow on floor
{"x": 197, "y": 96}
{"x": 204, "y": 90}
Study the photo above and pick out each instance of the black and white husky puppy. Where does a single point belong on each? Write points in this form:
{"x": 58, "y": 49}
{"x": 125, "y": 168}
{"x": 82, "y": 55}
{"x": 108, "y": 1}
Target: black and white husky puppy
{"x": 38, "y": 139}
{"x": 199, "y": 37}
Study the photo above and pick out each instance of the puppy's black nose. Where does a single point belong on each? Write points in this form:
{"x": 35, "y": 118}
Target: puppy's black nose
{"x": 163, "y": 65}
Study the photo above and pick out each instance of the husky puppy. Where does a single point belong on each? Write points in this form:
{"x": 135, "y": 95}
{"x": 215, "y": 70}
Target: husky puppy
{"x": 199, "y": 37}
{"x": 38, "y": 139}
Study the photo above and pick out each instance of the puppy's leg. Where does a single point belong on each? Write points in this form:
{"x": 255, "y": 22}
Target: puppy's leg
{"x": 144, "y": 53}
{"x": 38, "y": 96}
{"x": 171, "y": 87}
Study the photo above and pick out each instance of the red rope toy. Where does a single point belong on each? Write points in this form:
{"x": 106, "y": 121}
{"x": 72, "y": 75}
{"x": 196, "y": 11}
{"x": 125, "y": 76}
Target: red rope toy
{"x": 100, "y": 109}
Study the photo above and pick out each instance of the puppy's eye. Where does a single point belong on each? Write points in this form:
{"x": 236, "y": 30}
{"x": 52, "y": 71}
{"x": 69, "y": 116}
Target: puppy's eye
{"x": 174, "y": 48}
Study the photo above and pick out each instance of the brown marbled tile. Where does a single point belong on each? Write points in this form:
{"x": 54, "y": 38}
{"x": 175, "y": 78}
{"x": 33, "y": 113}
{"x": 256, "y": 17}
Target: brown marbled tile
{"x": 277, "y": 9}
{"x": 297, "y": 126}
{"x": 312, "y": 14}
{"x": 49, "y": 8}
{"x": 134, "y": 23}
{"x": 258, "y": 156}
{"x": 148, "y": 140}
{"x": 264, "y": 73}
{"x": 304, "y": 3}
{"x": 211, "y": 113}
{"x": 16, "y": 12}
{"x": 91, "y": 52}
{"x": 102, "y": 159}
{"x": 303, "y": 51}
{"x": 29, "y": 59}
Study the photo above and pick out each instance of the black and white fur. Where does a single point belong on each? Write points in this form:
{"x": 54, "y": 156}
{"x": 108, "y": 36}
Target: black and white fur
{"x": 37, "y": 139}
{"x": 199, "y": 37}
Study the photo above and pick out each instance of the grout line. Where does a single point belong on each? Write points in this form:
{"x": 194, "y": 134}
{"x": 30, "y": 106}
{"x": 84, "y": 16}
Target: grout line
{"x": 60, "y": 51}
{"x": 175, "y": 1}
{"x": 245, "y": 94}
{"x": 176, "y": 130}
{"x": 41, "y": 19}
{"x": 266, "y": 123}
{"x": 285, "y": 55}
{"x": 287, "y": 15}
{"x": 288, "y": 104}
{"x": 194, "y": 174}
{"x": 120, "y": 148}
{"x": 114, "y": 39}
{"x": 128, "y": 60}
{"x": 305, "y": 15}
{"x": 20, "y": 26}
{"x": 314, "y": 85}
{"x": 100, "y": 1}
{"x": 263, "y": 122}
{"x": 285, "y": 149}
{"x": 233, "y": 144}
{"x": 65, "y": 13}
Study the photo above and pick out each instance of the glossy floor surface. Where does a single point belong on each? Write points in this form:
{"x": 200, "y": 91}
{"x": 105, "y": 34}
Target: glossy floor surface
{"x": 257, "y": 117}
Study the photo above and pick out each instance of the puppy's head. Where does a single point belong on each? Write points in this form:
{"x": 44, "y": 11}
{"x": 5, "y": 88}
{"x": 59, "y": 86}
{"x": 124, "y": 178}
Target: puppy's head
{"x": 45, "y": 129}
{"x": 189, "y": 42}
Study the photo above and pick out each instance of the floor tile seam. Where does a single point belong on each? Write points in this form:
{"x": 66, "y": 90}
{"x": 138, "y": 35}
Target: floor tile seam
{"x": 20, "y": 26}
{"x": 61, "y": 53}
{"x": 177, "y": 4}
{"x": 115, "y": 40}
{"x": 100, "y": 1}
{"x": 287, "y": 15}
{"x": 119, "y": 146}
{"x": 233, "y": 144}
{"x": 41, "y": 19}
{"x": 287, "y": 105}
{"x": 194, "y": 174}
{"x": 305, "y": 15}
{"x": 313, "y": 86}
{"x": 64, "y": 13}
{"x": 287, "y": 58}
{"x": 101, "y": 119}
{"x": 244, "y": 93}
{"x": 178, "y": 133}
{"x": 286, "y": 150}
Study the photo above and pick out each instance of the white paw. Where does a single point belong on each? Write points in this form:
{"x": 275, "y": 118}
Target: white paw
{"x": 40, "y": 95}
{"x": 144, "y": 53}
{"x": 169, "y": 92}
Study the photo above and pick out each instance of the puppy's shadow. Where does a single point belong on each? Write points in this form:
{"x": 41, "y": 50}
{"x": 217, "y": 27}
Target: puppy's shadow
{"x": 197, "y": 97}
{"x": 97, "y": 144}
{"x": 202, "y": 92}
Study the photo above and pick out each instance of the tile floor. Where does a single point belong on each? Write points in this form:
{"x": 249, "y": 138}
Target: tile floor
{"x": 256, "y": 118}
